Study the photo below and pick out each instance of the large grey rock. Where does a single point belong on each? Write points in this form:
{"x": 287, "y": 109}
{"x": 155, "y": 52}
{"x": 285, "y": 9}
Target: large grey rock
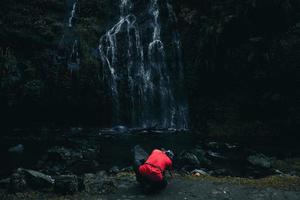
{"x": 201, "y": 155}
{"x": 261, "y": 160}
{"x": 199, "y": 172}
{"x": 98, "y": 184}
{"x": 188, "y": 158}
{"x": 139, "y": 154}
{"x": 66, "y": 184}
{"x": 36, "y": 179}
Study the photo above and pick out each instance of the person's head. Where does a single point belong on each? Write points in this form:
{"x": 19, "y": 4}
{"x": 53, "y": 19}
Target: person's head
{"x": 170, "y": 154}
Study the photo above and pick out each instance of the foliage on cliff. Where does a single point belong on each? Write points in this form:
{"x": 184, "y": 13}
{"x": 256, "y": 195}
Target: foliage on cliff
{"x": 240, "y": 59}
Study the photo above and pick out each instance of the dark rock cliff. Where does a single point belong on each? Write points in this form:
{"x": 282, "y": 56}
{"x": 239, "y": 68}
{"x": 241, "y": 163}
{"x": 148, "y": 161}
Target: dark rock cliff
{"x": 241, "y": 63}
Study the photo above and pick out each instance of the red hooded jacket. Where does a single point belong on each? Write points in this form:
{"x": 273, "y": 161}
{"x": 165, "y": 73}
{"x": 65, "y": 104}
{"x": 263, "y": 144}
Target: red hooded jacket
{"x": 155, "y": 165}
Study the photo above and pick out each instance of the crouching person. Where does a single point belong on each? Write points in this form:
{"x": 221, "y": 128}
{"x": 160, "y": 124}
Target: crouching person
{"x": 151, "y": 172}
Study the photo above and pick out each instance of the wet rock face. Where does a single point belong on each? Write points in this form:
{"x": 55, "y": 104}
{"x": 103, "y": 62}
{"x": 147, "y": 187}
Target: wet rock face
{"x": 236, "y": 44}
{"x": 142, "y": 65}
{"x": 227, "y": 47}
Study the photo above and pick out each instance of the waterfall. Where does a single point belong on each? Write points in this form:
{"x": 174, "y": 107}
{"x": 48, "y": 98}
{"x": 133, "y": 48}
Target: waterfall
{"x": 70, "y": 24}
{"x": 109, "y": 55}
{"x": 158, "y": 69}
{"x": 73, "y": 60}
{"x": 182, "y": 112}
{"x": 143, "y": 91}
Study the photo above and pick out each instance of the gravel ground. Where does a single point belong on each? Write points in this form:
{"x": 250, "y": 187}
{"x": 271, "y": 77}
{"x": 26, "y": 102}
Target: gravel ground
{"x": 181, "y": 188}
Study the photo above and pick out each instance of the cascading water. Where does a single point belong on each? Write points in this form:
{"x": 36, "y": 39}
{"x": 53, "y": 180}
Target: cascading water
{"x": 182, "y": 111}
{"x": 70, "y": 24}
{"x": 73, "y": 59}
{"x": 146, "y": 90}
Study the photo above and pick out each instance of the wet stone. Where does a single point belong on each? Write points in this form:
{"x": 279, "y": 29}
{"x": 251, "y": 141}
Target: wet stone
{"x": 36, "y": 179}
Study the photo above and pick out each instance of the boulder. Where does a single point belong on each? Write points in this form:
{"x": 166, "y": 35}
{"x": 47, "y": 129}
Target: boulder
{"x": 201, "y": 155}
{"x": 139, "y": 154}
{"x": 17, "y": 183}
{"x": 188, "y": 159}
{"x": 199, "y": 172}
{"x": 36, "y": 179}
{"x": 261, "y": 160}
{"x": 98, "y": 184}
{"x": 66, "y": 184}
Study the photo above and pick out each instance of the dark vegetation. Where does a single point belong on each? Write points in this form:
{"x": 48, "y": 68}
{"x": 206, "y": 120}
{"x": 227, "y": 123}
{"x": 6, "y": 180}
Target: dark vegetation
{"x": 241, "y": 62}
{"x": 243, "y": 75}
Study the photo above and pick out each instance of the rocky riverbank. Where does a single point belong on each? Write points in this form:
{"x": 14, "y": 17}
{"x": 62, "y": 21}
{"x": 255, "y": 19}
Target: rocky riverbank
{"x": 79, "y": 151}
{"x": 87, "y": 164}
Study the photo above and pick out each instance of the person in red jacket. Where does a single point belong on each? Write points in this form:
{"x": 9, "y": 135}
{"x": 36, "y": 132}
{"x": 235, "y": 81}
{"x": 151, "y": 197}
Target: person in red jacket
{"x": 151, "y": 173}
